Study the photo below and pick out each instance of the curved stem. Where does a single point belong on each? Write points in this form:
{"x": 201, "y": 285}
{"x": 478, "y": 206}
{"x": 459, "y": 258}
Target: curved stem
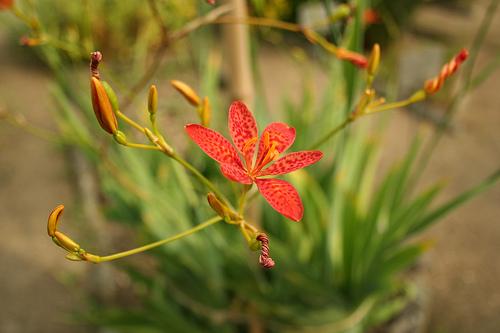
{"x": 130, "y": 122}
{"x": 141, "y": 146}
{"x": 243, "y": 199}
{"x": 98, "y": 259}
{"x": 332, "y": 133}
{"x": 200, "y": 176}
{"x": 158, "y": 140}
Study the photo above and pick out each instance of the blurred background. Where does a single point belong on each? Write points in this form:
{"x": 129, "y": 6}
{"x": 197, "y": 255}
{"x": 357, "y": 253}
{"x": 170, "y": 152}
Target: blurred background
{"x": 42, "y": 163}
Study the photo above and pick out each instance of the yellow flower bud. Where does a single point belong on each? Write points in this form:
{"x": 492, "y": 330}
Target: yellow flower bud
{"x": 54, "y": 219}
{"x": 187, "y": 92}
{"x": 102, "y": 106}
{"x": 153, "y": 99}
{"x": 374, "y": 60}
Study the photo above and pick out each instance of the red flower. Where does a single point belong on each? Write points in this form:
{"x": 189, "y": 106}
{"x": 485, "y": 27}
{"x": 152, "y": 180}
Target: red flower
{"x": 277, "y": 137}
{"x": 6, "y": 4}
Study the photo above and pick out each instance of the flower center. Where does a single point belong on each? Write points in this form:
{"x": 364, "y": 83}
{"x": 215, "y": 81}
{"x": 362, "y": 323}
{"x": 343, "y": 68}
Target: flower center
{"x": 269, "y": 154}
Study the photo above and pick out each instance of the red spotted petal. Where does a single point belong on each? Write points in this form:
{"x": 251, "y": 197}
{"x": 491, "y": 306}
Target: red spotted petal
{"x": 292, "y": 162}
{"x": 213, "y": 144}
{"x": 235, "y": 173}
{"x": 243, "y": 129}
{"x": 280, "y": 133}
{"x": 282, "y": 196}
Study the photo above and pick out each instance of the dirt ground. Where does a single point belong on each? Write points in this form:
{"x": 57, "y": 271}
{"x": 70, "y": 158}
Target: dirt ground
{"x": 461, "y": 272}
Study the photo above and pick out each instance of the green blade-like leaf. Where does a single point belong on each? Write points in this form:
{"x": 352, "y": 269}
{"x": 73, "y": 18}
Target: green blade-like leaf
{"x": 454, "y": 203}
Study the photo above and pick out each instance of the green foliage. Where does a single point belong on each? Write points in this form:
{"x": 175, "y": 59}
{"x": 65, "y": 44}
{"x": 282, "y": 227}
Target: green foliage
{"x": 339, "y": 270}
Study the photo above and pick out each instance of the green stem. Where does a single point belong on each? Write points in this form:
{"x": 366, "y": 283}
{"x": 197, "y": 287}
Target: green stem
{"x": 98, "y": 259}
{"x": 332, "y": 133}
{"x": 141, "y": 146}
{"x": 200, "y": 176}
{"x": 130, "y": 122}
{"x": 243, "y": 199}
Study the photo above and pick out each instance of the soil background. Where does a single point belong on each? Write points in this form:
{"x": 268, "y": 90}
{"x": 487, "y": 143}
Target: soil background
{"x": 461, "y": 272}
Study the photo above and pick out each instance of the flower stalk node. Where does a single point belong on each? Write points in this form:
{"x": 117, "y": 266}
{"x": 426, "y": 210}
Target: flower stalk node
{"x": 159, "y": 142}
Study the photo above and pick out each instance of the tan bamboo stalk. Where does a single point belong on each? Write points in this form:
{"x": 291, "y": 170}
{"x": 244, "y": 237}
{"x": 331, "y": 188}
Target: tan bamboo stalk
{"x": 236, "y": 43}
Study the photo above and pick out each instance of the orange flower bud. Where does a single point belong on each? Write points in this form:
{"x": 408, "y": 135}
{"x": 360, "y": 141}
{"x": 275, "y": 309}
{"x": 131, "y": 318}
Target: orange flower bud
{"x": 374, "y": 60}
{"x": 356, "y": 59}
{"x": 206, "y": 112}
{"x": 27, "y": 41}
{"x": 434, "y": 85}
{"x": 187, "y": 92}
{"x": 102, "y": 106}
{"x": 54, "y": 217}
{"x": 153, "y": 99}
{"x": 371, "y": 16}
{"x": 66, "y": 242}
{"x": 6, "y": 4}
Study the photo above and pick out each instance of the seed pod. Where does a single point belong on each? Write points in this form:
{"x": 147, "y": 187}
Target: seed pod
{"x": 187, "y": 92}
{"x": 54, "y": 217}
{"x": 102, "y": 106}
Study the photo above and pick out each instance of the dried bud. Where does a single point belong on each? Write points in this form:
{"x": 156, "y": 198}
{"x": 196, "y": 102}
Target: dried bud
{"x": 95, "y": 59}
{"x": 374, "y": 60}
{"x": 102, "y": 106}
{"x": 433, "y": 85}
{"x": 355, "y": 58}
{"x": 264, "y": 259}
{"x": 66, "y": 242}
{"x": 152, "y": 99}
{"x": 6, "y": 4}
{"x": 54, "y": 217}
{"x": 206, "y": 112}
{"x": 187, "y": 92}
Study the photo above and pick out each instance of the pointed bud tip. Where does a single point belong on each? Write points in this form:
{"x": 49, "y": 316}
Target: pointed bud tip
{"x": 53, "y": 220}
{"x": 186, "y": 91}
